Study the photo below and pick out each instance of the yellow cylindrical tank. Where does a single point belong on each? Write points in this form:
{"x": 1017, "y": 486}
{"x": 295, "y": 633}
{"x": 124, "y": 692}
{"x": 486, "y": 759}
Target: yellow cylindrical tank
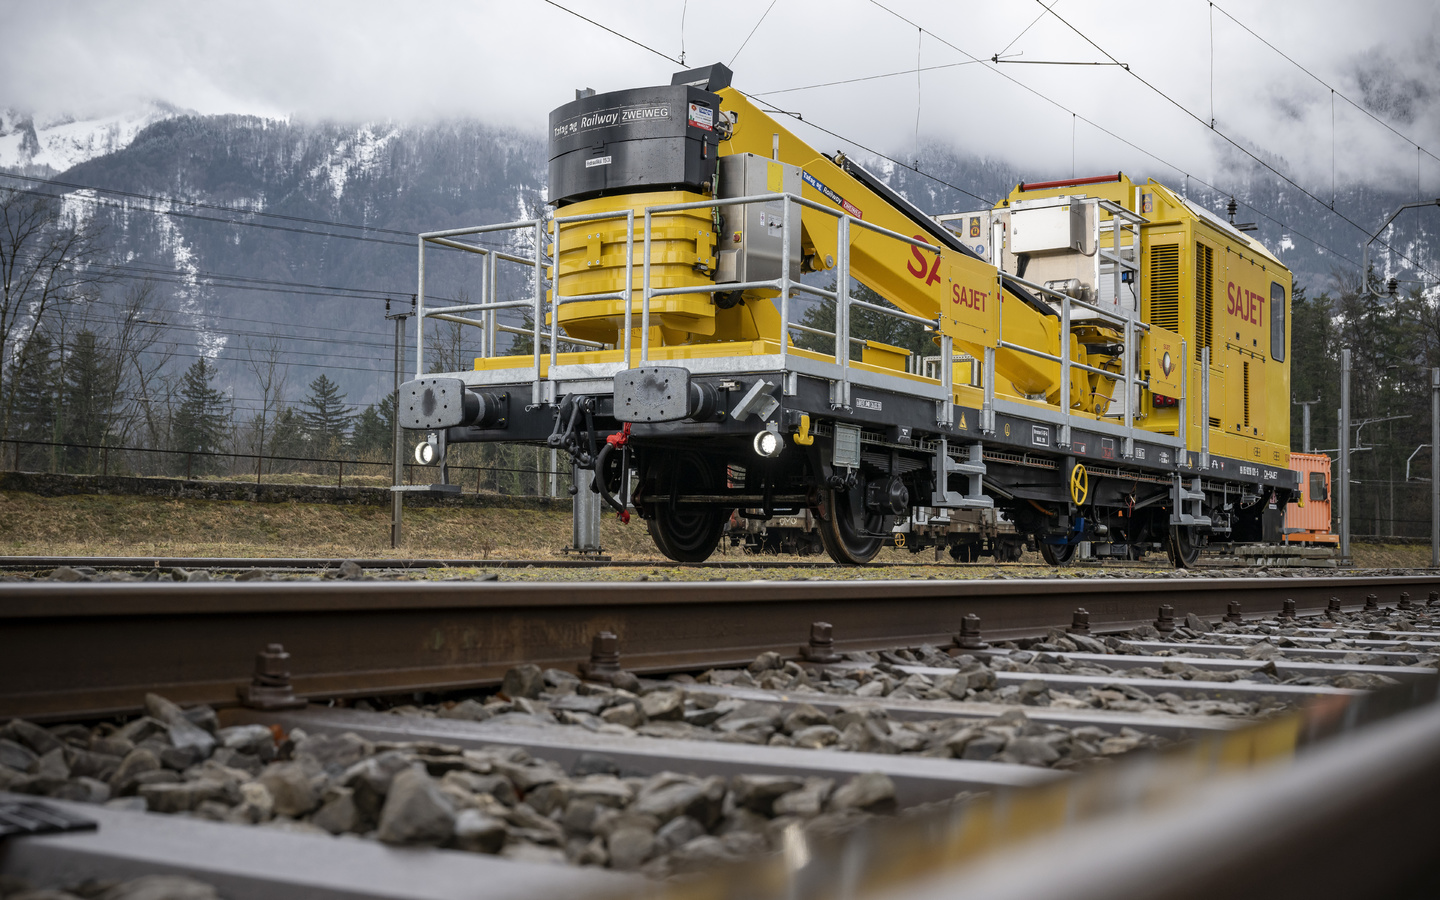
{"x": 591, "y": 260}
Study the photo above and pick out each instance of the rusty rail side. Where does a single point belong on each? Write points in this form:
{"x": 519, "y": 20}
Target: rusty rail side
{"x": 93, "y": 649}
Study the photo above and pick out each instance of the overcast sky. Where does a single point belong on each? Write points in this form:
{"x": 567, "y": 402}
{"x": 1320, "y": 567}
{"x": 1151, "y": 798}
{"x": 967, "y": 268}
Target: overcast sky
{"x": 511, "y": 62}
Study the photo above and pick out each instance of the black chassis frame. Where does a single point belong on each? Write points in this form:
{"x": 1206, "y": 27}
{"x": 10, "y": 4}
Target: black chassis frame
{"x": 1027, "y": 475}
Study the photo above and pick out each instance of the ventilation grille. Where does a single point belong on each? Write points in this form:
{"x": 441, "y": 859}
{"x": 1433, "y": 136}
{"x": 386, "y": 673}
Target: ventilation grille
{"x": 1214, "y": 421}
{"x": 1204, "y": 298}
{"x": 1247, "y": 394}
{"x": 1165, "y": 286}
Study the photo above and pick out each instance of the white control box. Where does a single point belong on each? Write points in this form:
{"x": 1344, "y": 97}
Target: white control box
{"x": 1054, "y": 226}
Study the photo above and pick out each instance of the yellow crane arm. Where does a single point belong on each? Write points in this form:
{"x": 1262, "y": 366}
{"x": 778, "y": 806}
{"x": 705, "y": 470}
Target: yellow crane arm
{"x": 966, "y": 293}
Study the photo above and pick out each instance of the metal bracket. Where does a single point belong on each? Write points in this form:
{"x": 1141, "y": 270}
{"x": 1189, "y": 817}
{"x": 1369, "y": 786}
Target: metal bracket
{"x": 757, "y": 401}
{"x": 974, "y": 470}
{"x": 1181, "y": 499}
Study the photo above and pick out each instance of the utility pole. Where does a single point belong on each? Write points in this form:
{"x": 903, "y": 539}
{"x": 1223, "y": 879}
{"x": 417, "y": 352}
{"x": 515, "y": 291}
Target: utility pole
{"x": 1305, "y": 408}
{"x": 1435, "y": 468}
{"x": 1344, "y": 454}
{"x": 397, "y": 497}
{"x": 1365, "y": 254}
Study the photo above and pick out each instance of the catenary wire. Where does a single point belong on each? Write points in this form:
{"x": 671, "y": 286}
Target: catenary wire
{"x": 1341, "y": 94}
{"x": 1129, "y": 143}
{"x": 1236, "y": 144}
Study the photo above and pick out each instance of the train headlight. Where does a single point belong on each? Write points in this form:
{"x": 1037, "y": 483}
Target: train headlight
{"x": 425, "y": 453}
{"x": 768, "y": 444}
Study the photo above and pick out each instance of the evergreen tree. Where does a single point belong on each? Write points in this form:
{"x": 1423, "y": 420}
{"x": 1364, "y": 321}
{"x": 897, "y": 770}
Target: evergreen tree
{"x": 1313, "y": 368}
{"x": 865, "y": 324}
{"x": 326, "y": 419}
{"x": 87, "y": 397}
{"x": 200, "y": 421}
{"x": 34, "y": 418}
{"x": 287, "y": 436}
{"x": 373, "y": 428}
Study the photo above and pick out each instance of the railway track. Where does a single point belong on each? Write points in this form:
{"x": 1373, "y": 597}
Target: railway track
{"x": 736, "y": 688}
{"x": 46, "y": 564}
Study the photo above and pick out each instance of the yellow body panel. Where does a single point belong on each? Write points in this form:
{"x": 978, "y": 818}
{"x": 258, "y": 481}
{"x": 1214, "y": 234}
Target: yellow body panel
{"x": 886, "y": 356}
{"x": 1201, "y": 283}
{"x": 592, "y": 261}
{"x": 1220, "y": 297}
{"x": 1205, "y": 260}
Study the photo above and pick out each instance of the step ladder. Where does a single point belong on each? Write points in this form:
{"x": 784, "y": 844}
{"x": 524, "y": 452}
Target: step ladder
{"x": 1185, "y": 502}
{"x": 974, "y": 470}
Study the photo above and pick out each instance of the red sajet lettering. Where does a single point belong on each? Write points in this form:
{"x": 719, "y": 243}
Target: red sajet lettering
{"x": 968, "y": 297}
{"x": 1247, "y": 305}
{"x": 922, "y": 266}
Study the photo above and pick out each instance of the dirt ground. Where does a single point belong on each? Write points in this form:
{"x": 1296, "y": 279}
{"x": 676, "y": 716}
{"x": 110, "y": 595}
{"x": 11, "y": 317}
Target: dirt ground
{"x": 93, "y": 525}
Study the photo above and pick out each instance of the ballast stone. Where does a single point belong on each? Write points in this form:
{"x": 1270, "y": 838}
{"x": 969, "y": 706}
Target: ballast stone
{"x": 415, "y": 811}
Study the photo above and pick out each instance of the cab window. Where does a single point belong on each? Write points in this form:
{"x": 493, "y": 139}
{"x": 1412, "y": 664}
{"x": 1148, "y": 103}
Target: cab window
{"x": 1277, "y": 321}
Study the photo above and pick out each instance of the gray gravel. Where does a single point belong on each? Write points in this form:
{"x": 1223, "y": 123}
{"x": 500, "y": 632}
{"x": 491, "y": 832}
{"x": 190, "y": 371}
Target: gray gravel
{"x": 148, "y": 887}
{"x": 676, "y": 708}
{"x": 496, "y": 800}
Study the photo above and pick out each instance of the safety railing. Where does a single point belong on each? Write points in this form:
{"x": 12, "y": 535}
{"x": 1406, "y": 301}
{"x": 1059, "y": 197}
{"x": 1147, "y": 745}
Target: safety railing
{"x": 787, "y": 286}
{"x": 1128, "y": 375}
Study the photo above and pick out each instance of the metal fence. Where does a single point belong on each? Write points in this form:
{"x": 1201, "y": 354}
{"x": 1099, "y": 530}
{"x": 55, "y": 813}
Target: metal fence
{"x": 62, "y": 458}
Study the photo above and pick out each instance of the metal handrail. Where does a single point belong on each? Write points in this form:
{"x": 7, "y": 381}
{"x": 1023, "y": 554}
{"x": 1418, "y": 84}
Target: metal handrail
{"x": 787, "y": 286}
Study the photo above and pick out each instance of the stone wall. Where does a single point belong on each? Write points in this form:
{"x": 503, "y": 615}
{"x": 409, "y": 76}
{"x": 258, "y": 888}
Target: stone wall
{"x": 47, "y": 485}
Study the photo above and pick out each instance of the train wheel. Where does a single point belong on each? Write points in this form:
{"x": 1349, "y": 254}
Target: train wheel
{"x": 1182, "y": 547}
{"x": 1057, "y": 554}
{"x": 687, "y": 535}
{"x": 846, "y": 531}
{"x": 966, "y": 553}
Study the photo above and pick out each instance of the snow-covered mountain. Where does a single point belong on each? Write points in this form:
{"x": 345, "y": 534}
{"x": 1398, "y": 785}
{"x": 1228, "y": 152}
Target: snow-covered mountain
{"x": 181, "y": 212}
{"x": 226, "y": 278}
{"x": 41, "y": 144}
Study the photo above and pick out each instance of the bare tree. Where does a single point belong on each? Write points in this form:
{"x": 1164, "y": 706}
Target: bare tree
{"x": 266, "y": 361}
{"x": 139, "y": 356}
{"x": 445, "y": 342}
{"x": 43, "y": 260}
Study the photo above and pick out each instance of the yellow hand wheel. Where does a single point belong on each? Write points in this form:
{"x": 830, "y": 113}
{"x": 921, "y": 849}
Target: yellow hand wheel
{"x": 1079, "y": 484}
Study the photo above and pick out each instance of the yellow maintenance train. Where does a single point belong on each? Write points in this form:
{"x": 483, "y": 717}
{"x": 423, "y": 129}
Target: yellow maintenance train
{"x": 1110, "y": 363}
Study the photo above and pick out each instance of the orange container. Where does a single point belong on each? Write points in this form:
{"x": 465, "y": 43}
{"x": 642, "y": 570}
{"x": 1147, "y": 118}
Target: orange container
{"x": 1307, "y": 518}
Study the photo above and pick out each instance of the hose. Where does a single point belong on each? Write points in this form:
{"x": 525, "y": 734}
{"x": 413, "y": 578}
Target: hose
{"x": 598, "y": 485}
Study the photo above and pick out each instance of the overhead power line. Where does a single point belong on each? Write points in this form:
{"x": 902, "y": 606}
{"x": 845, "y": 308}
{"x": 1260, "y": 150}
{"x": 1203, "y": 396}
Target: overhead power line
{"x": 199, "y": 204}
{"x": 784, "y": 112}
{"x": 825, "y": 84}
{"x": 623, "y": 37}
{"x": 763, "y": 16}
{"x": 1129, "y": 143}
{"x": 1232, "y": 142}
{"x": 1323, "y": 83}
{"x": 161, "y": 200}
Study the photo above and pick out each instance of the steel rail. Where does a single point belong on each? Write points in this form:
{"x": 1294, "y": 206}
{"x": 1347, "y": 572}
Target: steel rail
{"x": 247, "y": 863}
{"x": 391, "y": 564}
{"x": 1303, "y": 828}
{"x": 73, "y": 650}
{"x": 241, "y": 563}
